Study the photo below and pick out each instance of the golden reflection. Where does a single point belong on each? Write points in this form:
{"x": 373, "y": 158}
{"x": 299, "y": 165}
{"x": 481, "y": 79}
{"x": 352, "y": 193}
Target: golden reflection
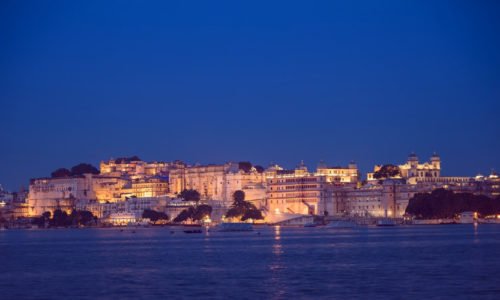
{"x": 277, "y": 241}
{"x": 277, "y": 232}
{"x": 277, "y": 267}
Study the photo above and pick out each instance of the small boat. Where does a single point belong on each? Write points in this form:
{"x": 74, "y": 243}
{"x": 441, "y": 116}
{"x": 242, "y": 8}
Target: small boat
{"x": 193, "y": 231}
{"x": 193, "y": 228}
{"x": 230, "y": 227}
{"x": 386, "y": 222}
{"x": 342, "y": 224}
{"x": 467, "y": 217}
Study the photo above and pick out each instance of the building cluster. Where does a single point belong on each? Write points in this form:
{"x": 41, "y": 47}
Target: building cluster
{"x": 126, "y": 187}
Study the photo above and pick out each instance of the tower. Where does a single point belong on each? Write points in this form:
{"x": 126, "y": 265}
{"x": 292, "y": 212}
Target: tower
{"x": 301, "y": 169}
{"x": 436, "y": 164}
{"x": 413, "y": 163}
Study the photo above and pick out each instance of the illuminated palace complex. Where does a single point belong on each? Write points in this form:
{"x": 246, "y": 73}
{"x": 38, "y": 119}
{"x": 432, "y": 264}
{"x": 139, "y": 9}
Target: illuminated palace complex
{"x": 130, "y": 185}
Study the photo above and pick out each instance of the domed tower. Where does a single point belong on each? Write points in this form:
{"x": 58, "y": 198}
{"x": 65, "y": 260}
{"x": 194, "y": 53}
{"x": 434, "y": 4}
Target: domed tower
{"x": 413, "y": 163}
{"x": 413, "y": 160}
{"x": 352, "y": 165}
{"x": 436, "y": 165}
{"x": 301, "y": 169}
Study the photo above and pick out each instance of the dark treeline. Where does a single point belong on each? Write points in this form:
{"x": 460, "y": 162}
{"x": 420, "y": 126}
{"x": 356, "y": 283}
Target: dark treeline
{"x": 195, "y": 213}
{"x": 124, "y": 160}
{"x": 247, "y": 166}
{"x": 62, "y": 219}
{"x": 447, "y": 204}
{"x": 190, "y": 195}
{"x": 154, "y": 215}
{"x": 77, "y": 170}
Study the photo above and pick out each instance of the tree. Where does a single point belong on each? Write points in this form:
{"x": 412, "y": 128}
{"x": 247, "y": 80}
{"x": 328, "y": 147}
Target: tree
{"x": 40, "y": 222}
{"x": 154, "y": 215}
{"x": 190, "y": 195}
{"x": 442, "y": 203}
{"x": 245, "y": 166}
{"x": 238, "y": 198}
{"x": 387, "y": 171}
{"x": 123, "y": 160}
{"x": 59, "y": 219}
{"x": 86, "y": 217}
{"x": 259, "y": 169}
{"x": 60, "y": 173}
{"x": 201, "y": 211}
{"x": 184, "y": 215}
{"x": 83, "y": 168}
{"x": 2, "y": 219}
{"x": 197, "y": 213}
{"x": 242, "y": 209}
{"x": 252, "y": 214}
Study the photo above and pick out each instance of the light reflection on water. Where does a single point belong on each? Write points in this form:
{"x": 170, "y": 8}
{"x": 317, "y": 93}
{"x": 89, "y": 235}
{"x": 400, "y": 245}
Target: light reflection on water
{"x": 276, "y": 262}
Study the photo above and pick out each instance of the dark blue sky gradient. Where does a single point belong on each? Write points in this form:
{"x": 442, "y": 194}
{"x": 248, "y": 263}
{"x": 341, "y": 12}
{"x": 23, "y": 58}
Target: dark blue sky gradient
{"x": 209, "y": 81}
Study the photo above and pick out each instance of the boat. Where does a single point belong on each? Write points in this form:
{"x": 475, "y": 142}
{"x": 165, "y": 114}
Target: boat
{"x": 467, "y": 217}
{"x": 386, "y": 222}
{"x": 311, "y": 224}
{"x": 193, "y": 228}
{"x": 231, "y": 227}
{"x": 342, "y": 224}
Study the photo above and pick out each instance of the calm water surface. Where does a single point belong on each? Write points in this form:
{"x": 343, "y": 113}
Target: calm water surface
{"x": 454, "y": 261}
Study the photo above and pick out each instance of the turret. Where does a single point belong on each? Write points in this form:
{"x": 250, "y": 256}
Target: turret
{"x": 413, "y": 160}
{"x": 301, "y": 169}
{"x": 436, "y": 163}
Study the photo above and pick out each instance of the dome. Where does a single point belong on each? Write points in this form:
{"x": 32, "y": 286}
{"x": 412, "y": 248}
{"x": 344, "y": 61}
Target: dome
{"x": 412, "y": 156}
{"x": 435, "y": 157}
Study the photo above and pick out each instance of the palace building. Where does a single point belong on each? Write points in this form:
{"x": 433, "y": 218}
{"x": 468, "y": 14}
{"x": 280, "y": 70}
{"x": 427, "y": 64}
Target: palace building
{"x": 135, "y": 168}
{"x": 300, "y": 192}
{"x": 219, "y": 182}
{"x": 414, "y": 171}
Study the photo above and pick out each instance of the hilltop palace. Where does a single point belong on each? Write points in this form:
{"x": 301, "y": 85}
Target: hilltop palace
{"x": 127, "y": 187}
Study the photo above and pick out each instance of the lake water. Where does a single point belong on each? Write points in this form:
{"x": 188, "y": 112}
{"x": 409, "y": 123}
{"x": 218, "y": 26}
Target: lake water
{"x": 410, "y": 262}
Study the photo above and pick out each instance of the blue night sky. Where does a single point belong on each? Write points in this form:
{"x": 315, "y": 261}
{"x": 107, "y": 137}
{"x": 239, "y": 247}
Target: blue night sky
{"x": 210, "y": 81}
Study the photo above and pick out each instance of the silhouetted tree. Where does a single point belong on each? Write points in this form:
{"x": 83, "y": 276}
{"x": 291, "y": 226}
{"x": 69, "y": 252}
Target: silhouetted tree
{"x": 238, "y": 198}
{"x": 123, "y": 160}
{"x": 154, "y": 215}
{"x": 59, "y": 219}
{"x": 252, "y": 214}
{"x": 2, "y": 219}
{"x": 61, "y": 172}
{"x": 387, "y": 171}
{"x": 86, "y": 217}
{"x": 201, "y": 211}
{"x": 259, "y": 169}
{"x": 243, "y": 209}
{"x": 83, "y": 168}
{"x": 62, "y": 219}
{"x": 194, "y": 213}
{"x": 442, "y": 203}
{"x": 245, "y": 166}
{"x": 184, "y": 215}
{"x": 190, "y": 195}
